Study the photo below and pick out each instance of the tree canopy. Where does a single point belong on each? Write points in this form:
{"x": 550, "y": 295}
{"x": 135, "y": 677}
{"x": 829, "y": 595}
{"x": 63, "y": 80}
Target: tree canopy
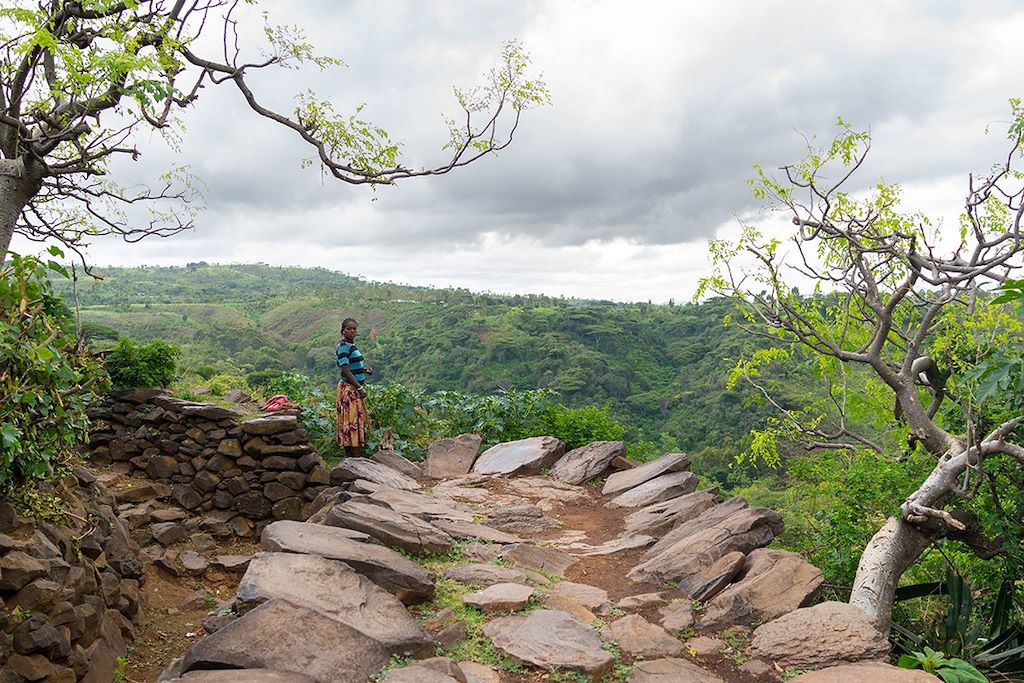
{"x": 907, "y": 301}
{"x": 80, "y": 78}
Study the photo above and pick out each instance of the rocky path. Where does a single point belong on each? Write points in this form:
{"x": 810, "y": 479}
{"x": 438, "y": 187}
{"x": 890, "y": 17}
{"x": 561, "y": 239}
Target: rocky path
{"x": 522, "y": 564}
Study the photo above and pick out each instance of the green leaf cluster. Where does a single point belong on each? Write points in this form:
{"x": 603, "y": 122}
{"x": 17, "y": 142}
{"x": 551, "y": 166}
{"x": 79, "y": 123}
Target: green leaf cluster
{"x": 149, "y": 364}
{"x": 45, "y": 379}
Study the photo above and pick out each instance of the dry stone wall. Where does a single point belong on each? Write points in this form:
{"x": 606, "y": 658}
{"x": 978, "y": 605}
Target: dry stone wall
{"x": 245, "y": 473}
{"x": 69, "y": 593}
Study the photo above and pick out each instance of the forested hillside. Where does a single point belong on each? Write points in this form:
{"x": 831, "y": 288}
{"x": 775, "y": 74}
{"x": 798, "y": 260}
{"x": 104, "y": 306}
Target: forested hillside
{"x": 661, "y": 368}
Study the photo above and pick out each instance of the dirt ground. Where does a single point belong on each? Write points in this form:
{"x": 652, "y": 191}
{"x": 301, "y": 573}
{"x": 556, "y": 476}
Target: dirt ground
{"x": 173, "y": 613}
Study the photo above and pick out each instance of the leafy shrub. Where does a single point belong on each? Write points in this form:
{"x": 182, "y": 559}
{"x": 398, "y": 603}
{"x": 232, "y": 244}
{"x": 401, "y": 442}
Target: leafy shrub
{"x": 153, "y": 364}
{"x": 221, "y": 384}
{"x": 206, "y": 371}
{"x": 578, "y": 426}
{"x": 46, "y": 383}
{"x": 646, "y": 450}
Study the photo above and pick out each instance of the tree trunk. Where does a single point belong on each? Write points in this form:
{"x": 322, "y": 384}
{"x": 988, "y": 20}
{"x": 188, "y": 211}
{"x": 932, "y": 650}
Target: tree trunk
{"x": 895, "y": 546}
{"x": 12, "y": 200}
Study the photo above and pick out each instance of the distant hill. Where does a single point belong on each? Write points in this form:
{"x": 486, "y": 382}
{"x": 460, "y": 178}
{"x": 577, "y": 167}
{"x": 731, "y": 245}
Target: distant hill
{"x": 661, "y": 368}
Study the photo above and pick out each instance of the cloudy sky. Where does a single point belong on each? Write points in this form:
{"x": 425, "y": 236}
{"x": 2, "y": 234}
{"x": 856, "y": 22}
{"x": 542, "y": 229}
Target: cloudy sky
{"x": 659, "y": 111}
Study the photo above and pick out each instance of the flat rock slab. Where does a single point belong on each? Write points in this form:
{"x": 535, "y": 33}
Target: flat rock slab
{"x": 591, "y": 597}
{"x": 237, "y": 675}
{"x": 471, "y": 530}
{"x": 271, "y": 424}
{"x": 520, "y": 519}
{"x": 627, "y": 479}
{"x": 583, "y": 464}
{"x": 500, "y": 597}
{"x": 744, "y": 531}
{"x": 397, "y": 462}
{"x": 351, "y": 469}
{"x": 707, "y": 583}
{"x": 280, "y": 635}
{"x": 839, "y": 632}
{"x": 774, "y": 583}
{"x": 705, "y": 519}
{"x": 481, "y": 574}
{"x": 526, "y": 456}
{"x": 419, "y": 505}
{"x": 335, "y": 590}
{"x": 615, "y": 545}
{"x": 478, "y": 673}
{"x": 664, "y": 487}
{"x": 391, "y": 528}
{"x": 401, "y": 577}
{"x": 417, "y": 674}
{"x": 542, "y": 559}
{"x": 451, "y": 458}
{"x": 641, "y": 638}
{"x": 547, "y": 638}
{"x": 671, "y": 671}
{"x": 541, "y": 488}
{"x": 658, "y": 519}
{"x": 875, "y": 672}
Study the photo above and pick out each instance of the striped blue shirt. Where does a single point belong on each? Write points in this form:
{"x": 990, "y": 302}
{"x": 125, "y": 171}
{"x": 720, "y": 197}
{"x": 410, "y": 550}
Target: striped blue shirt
{"x": 349, "y": 355}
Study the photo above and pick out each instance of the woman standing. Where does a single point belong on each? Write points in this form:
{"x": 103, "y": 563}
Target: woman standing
{"x": 353, "y": 423}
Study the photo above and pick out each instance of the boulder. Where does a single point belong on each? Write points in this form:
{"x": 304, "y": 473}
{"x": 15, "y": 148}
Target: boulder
{"x": 582, "y": 464}
{"x": 822, "y": 635}
{"x": 335, "y": 590}
{"x": 390, "y": 527}
{"x": 401, "y": 577}
{"x": 664, "y": 487}
{"x": 670, "y": 671}
{"x": 875, "y": 672}
{"x": 742, "y": 531}
{"x": 658, "y": 518}
{"x": 450, "y": 458}
{"x": 677, "y": 615}
{"x": 280, "y": 635}
{"x": 526, "y": 456}
{"x": 774, "y": 582}
{"x": 547, "y": 638}
{"x": 395, "y": 461}
{"x": 351, "y": 469}
{"x": 500, "y": 597}
{"x": 639, "y": 637}
{"x": 627, "y": 479}
{"x": 529, "y": 556}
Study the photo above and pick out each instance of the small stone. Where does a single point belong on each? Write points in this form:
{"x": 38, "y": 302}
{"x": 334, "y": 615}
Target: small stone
{"x": 167, "y": 533}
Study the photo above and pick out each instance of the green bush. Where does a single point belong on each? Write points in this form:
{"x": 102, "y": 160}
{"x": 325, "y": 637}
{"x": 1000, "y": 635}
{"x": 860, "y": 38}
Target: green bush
{"x": 221, "y": 384}
{"x": 153, "y": 364}
{"x": 578, "y": 426}
{"x": 46, "y": 381}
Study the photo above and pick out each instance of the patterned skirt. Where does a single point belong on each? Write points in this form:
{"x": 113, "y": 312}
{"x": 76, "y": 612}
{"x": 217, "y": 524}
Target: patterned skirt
{"x": 353, "y": 423}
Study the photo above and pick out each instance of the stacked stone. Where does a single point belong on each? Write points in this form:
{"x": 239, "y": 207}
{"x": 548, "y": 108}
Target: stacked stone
{"x": 246, "y": 474}
{"x": 69, "y": 593}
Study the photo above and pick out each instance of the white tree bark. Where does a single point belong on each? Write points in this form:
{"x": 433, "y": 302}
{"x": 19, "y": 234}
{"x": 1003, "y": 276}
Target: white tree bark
{"x": 895, "y": 547}
{"x": 11, "y": 200}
